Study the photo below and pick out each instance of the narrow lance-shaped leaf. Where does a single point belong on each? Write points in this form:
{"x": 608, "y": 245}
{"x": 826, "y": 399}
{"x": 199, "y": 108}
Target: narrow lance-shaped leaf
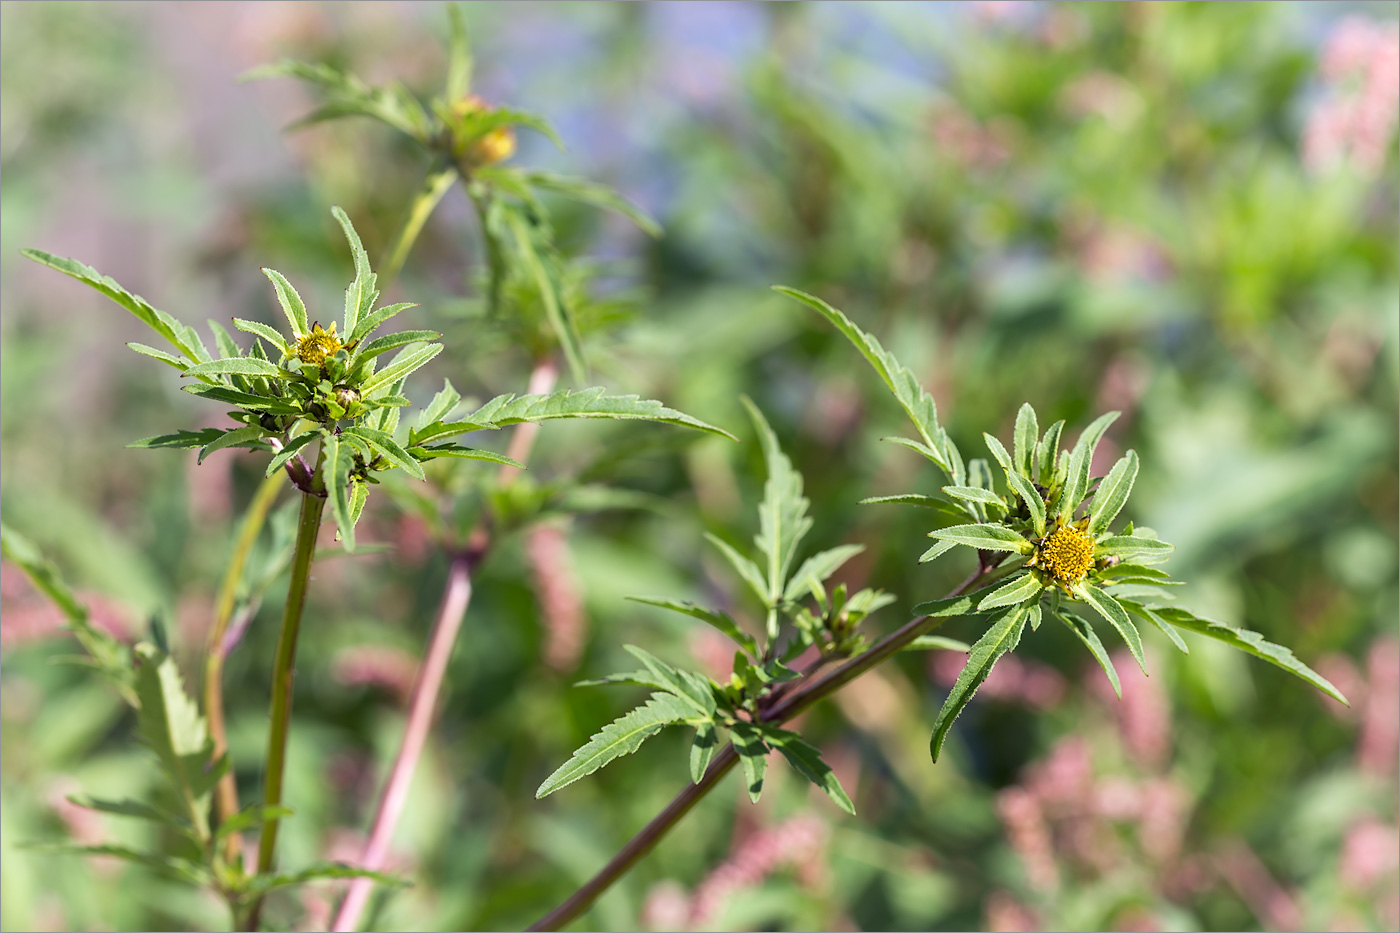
{"x": 1086, "y": 634}
{"x": 1017, "y": 590}
{"x": 160, "y": 322}
{"x": 590, "y": 192}
{"x": 976, "y": 494}
{"x": 1252, "y": 643}
{"x": 179, "y": 439}
{"x": 583, "y": 403}
{"x": 937, "y": 643}
{"x": 746, "y": 568}
{"x": 463, "y": 453}
{"x": 390, "y": 448}
{"x": 1045, "y": 453}
{"x": 782, "y": 515}
{"x": 720, "y": 620}
{"x": 753, "y": 755}
{"x": 1081, "y": 457}
{"x": 263, "y": 331}
{"x": 391, "y": 342}
{"x": 620, "y": 737}
{"x": 336, "y": 473}
{"x": 1024, "y": 441}
{"x": 818, "y": 567}
{"x": 807, "y": 761}
{"x": 170, "y": 723}
{"x": 235, "y": 366}
{"x": 1108, "y": 607}
{"x": 1135, "y": 546}
{"x": 403, "y": 364}
{"x": 238, "y": 437}
{"x": 1112, "y": 493}
{"x": 560, "y": 319}
{"x": 361, "y": 295}
{"x": 442, "y": 403}
{"x": 1150, "y": 615}
{"x": 1003, "y": 635}
{"x": 689, "y": 687}
{"x": 999, "y": 452}
{"x": 1035, "y": 505}
{"x": 370, "y": 321}
{"x": 985, "y": 538}
{"x": 291, "y": 303}
{"x": 702, "y": 750}
{"x": 289, "y": 450}
{"x": 907, "y": 391}
{"x": 167, "y": 358}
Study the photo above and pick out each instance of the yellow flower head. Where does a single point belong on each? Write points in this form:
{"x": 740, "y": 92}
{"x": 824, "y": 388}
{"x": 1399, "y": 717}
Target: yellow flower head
{"x": 316, "y": 346}
{"x": 494, "y": 146}
{"x": 1066, "y": 555}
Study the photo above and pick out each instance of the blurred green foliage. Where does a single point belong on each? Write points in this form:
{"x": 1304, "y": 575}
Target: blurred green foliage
{"x": 1147, "y": 207}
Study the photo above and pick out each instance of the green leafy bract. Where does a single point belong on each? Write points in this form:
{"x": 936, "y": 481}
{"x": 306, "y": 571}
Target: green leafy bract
{"x": 620, "y": 737}
{"x": 1002, "y": 636}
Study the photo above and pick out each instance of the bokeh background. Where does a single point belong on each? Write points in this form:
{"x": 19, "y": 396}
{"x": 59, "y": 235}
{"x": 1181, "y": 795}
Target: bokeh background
{"x": 1187, "y": 212}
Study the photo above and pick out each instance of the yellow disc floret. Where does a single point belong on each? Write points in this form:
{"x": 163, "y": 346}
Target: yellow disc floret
{"x": 1066, "y": 554}
{"x": 487, "y": 148}
{"x": 316, "y": 346}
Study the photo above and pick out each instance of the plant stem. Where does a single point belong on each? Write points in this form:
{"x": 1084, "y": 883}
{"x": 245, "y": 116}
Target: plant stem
{"x": 641, "y": 844}
{"x": 427, "y": 686}
{"x": 283, "y": 670}
{"x": 781, "y": 712}
{"x": 435, "y": 184}
{"x": 226, "y": 794}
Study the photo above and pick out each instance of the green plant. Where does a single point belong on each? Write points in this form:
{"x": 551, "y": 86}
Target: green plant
{"x": 1045, "y": 538}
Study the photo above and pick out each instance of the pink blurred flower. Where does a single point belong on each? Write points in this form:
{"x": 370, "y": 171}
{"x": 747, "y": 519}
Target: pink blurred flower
{"x": 713, "y": 652}
{"x": 1012, "y": 680}
{"x": 1143, "y": 714}
{"x": 1005, "y": 914}
{"x": 1380, "y": 721}
{"x": 560, "y": 596}
{"x": 383, "y": 666}
{"x": 1370, "y": 853}
{"x": 1354, "y": 120}
{"x": 797, "y": 842}
{"x": 1029, "y": 834}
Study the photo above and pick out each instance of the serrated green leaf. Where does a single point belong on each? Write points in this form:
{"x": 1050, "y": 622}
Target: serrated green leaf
{"x": 259, "y": 885}
{"x": 746, "y": 568}
{"x": 753, "y": 755}
{"x": 1113, "y": 493}
{"x": 291, "y": 303}
{"x": 927, "y": 502}
{"x": 226, "y": 347}
{"x": 219, "y": 393}
{"x": 1002, "y": 636}
{"x": 1149, "y": 614}
{"x": 1253, "y": 643}
{"x": 167, "y": 358}
{"x": 132, "y": 808}
{"x": 1017, "y": 590}
{"x": 999, "y": 452}
{"x": 179, "y": 335}
{"x": 1033, "y": 615}
{"x": 435, "y": 430}
{"x": 289, "y": 450}
{"x": 442, "y": 403}
{"x": 1133, "y": 546}
{"x": 556, "y": 310}
{"x": 390, "y": 449}
{"x": 691, "y": 688}
{"x": 403, "y": 364}
{"x": 620, "y": 737}
{"x": 249, "y": 817}
{"x": 976, "y": 494}
{"x": 1046, "y": 452}
{"x": 807, "y": 761}
{"x": 390, "y": 342}
{"x": 249, "y": 436}
{"x": 720, "y": 620}
{"x": 1086, "y": 634}
{"x": 111, "y": 657}
{"x": 907, "y": 391}
{"x": 463, "y": 453}
{"x": 702, "y": 750}
{"x": 369, "y": 322}
{"x": 336, "y": 475}
{"x": 1028, "y": 494}
{"x": 1024, "y": 441}
{"x": 818, "y": 568}
{"x": 235, "y": 366}
{"x": 1076, "y": 485}
{"x": 985, "y": 537}
{"x": 361, "y": 295}
{"x": 950, "y": 607}
{"x": 506, "y": 410}
{"x": 937, "y": 551}
{"x": 589, "y": 192}
{"x": 1108, "y": 607}
{"x": 782, "y": 515}
{"x": 263, "y": 331}
{"x": 937, "y": 643}
{"x": 179, "y": 439}
{"x": 170, "y": 723}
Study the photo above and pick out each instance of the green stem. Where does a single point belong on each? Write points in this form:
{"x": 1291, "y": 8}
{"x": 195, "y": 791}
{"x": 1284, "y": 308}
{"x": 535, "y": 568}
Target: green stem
{"x": 226, "y": 795}
{"x": 282, "y": 671}
{"x": 790, "y": 706}
{"x": 435, "y": 184}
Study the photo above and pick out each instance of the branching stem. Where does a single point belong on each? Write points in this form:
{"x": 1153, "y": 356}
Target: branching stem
{"x": 803, "y": 696}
